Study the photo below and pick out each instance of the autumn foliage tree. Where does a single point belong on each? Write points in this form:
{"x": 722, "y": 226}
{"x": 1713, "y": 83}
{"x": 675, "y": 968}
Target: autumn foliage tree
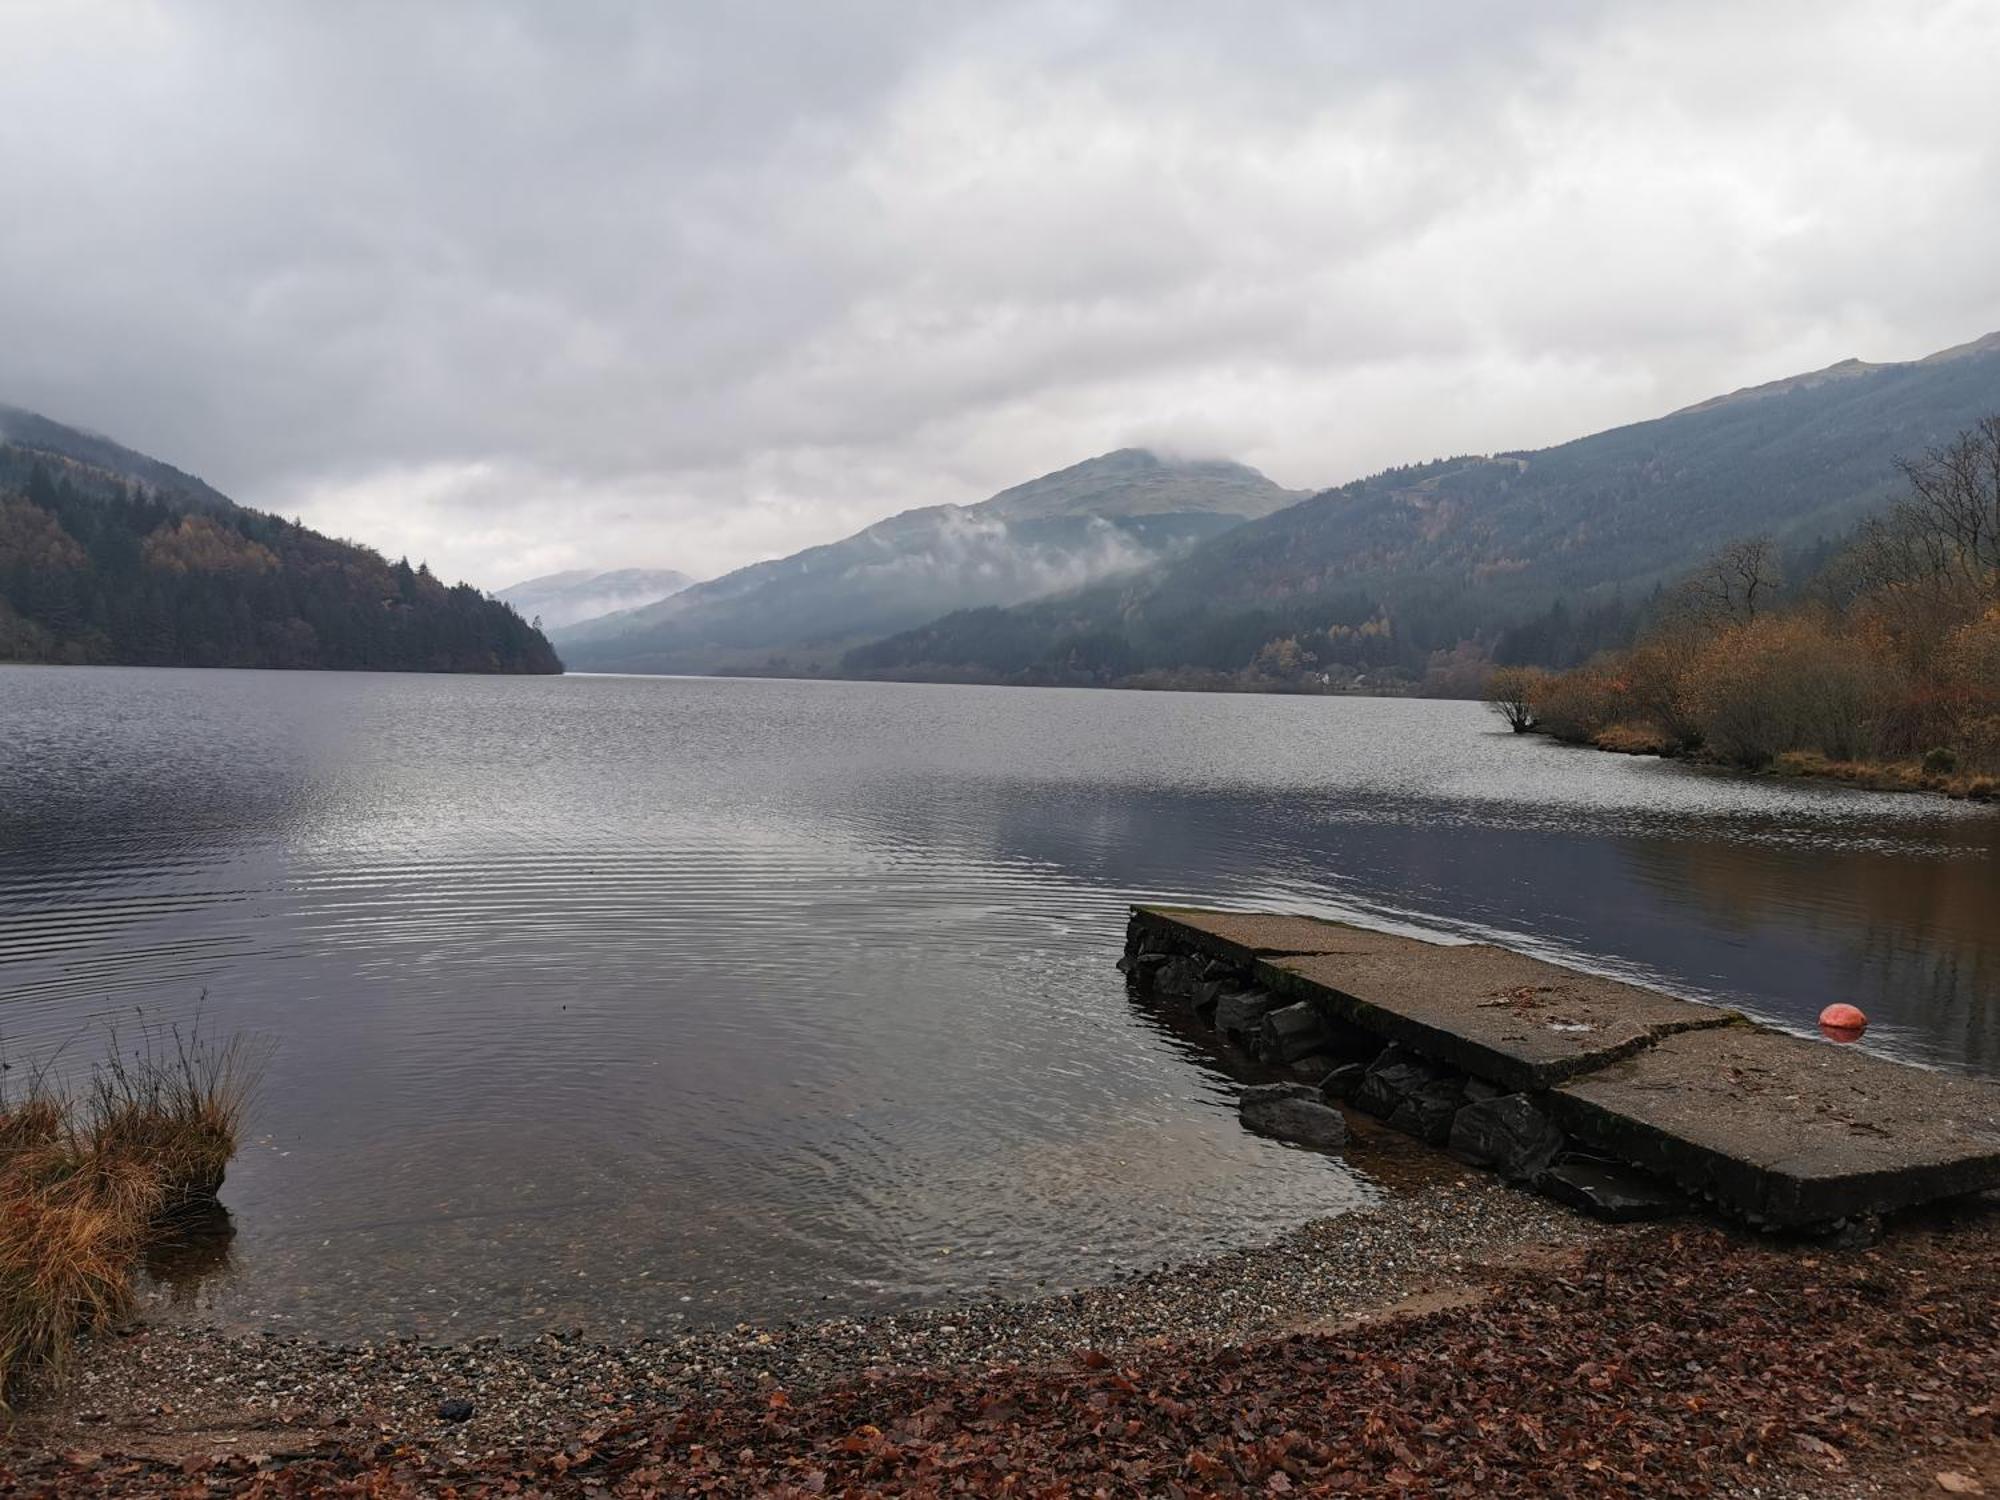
{"x": 1893, "y": 653}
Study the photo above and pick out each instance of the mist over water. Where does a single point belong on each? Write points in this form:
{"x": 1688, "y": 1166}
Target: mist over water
{"x": 638, "y": 1002}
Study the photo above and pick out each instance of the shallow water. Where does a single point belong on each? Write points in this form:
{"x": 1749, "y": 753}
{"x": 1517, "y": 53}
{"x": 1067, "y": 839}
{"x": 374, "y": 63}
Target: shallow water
{"x": 631, "y": 1002}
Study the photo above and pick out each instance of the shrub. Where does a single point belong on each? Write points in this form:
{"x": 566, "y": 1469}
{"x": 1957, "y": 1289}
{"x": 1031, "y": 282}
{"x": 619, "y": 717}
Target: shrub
{"x": 86, "y": 1188}
{"x": 1779, "y": 684}
{"x": 1657, "y": 678}
{"x": 1941, "y": 760}
{"x": 1576, "y": 706}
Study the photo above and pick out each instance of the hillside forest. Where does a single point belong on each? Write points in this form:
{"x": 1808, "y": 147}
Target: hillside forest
{"x": 94, "y": 570}
{"x": 1881, "y": 666}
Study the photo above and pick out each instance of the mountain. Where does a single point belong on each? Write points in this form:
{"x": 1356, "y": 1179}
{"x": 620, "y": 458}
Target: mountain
{"x": 1105, "y": 516}
{"x": 1540, "y": 556}
{"x": 558, "y": 599}
{"x": 109, "y": 556}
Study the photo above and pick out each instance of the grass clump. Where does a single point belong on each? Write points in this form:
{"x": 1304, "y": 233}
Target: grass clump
{"x": 90, "y": 1180}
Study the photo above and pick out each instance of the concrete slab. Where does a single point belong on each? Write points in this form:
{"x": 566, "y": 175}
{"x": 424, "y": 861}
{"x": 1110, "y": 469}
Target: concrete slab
{"x": 1788, "y": 1131}
{"x": 1499, "y": 1015}
{"x": 1245, "y": 936}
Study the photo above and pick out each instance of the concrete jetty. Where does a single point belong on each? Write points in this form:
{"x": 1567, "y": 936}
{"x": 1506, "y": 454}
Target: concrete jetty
{"x": 1585, "y": 1087}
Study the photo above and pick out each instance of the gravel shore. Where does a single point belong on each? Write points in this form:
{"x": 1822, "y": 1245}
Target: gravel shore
{"x": 172, "y": 1390}
{"x": 1449, "y": 1345}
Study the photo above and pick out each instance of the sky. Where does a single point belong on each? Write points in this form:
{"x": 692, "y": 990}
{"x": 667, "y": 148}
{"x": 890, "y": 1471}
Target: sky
{"x": 523, "y": 287}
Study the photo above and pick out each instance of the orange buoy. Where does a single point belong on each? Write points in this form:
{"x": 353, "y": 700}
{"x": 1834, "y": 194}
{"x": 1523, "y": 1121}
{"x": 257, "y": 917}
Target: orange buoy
{"x": 1842, "y": 1023}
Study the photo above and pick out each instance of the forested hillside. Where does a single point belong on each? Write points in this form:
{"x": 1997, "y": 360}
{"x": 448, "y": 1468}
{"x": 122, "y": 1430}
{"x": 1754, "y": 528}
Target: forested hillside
{"x": 1430, "y": 571}
{"x": 108, "y": 557}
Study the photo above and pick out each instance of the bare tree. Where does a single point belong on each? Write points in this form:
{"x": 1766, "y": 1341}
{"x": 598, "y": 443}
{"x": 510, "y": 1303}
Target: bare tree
{"x": 1510, "y": 693}
{"x": 1934, "y": 561}
{"x": 1735, "y": 583}
{"x": 1949, "y": 523}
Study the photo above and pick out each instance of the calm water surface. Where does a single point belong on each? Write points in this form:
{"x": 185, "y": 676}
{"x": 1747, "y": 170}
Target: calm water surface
{"x": 634, "y": 1002}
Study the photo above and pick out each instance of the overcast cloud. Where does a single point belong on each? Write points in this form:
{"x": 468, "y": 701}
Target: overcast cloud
{"x": 525, "y": 287}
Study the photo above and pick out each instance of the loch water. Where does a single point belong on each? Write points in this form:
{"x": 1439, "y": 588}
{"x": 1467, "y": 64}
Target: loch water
{"x": 641, "y": 1003}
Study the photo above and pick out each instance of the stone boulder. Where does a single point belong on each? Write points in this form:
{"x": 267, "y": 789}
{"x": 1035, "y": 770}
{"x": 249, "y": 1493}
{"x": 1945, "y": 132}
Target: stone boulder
{"x": 1509, "y": 1134}
{"x": 1342, "y": 1082}
{"x": 1397, "y": 1074}
{"x": 1237, "y": 1012}
{"x": 1176, "y": 978}
{"x": 1427, "y": 1111}
{"x": 1293, "y": 1112}
{"x": 1287, "y": 1034}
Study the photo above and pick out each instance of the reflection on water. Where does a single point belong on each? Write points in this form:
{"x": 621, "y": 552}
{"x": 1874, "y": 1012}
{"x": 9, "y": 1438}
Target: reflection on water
{"x": 192, "y": 1251}
{"x": 640, "y": 1001}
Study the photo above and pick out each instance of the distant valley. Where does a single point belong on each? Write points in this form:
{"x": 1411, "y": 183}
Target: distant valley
{"x": 1106, "y": 517}
{"x": 558, "y": 599}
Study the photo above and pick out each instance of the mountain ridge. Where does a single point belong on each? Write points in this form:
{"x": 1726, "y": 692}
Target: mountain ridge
{"x": 1063, "y": 529}
{"x": 1445, "y": 558}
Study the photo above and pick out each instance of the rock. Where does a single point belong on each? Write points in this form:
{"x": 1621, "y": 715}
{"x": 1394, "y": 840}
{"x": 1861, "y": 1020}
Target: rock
{"x": 1223, "y": 968}
{"x": 1205, "y": 996}
{"x": 1343, "y": 1081}
{"x": 1616, "y": 1195}
{"x": 1175, "y": 977}
{"x": 1428, "y": 1110}
{"x": 457, "y": 1409}
{"x": 1477, "y": 1090}
{"x": 1394, "y": 1075}
{"x": 1313, "y": 1067}
{"x": 1350, "y": 1043}
{"x": 1861, "y": 1232}
{"x": 1289, "y": 1032}
{"x": 1237, "y": 1011}
{"x": 1509, "y": 1134}
{"x": 1293, "y": 1112}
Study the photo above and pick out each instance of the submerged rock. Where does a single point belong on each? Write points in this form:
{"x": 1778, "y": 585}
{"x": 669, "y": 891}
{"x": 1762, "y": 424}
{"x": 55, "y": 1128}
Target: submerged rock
{"x": 1293, "y": 1112}
{"x": 1509, "y": 1134}
{"x": 1175, "y": 978}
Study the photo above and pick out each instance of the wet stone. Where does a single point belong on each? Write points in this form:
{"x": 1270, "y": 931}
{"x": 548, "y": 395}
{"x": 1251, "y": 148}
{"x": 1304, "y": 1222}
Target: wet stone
{"x": 1238, "y": 1011}
{"x": 1293, "y": 1112}
{"x": 1427, "y": 1111}
{"x": 1287, "y": 1033}
{"x": 1393, "y": 1076}
{"x": 1342, "y": 1082}
{"x": 1508, "y": 1134}
{"x": 1175, "y": 977}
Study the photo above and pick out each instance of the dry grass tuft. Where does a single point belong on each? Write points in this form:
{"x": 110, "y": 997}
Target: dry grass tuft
{"x": 86, "y": 1186}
